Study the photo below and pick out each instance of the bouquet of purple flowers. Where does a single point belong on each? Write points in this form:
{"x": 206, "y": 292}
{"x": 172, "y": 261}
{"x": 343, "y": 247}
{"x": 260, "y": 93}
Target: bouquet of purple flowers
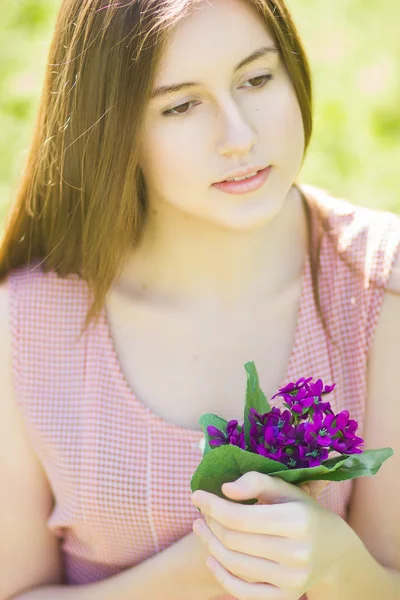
{"x": 293, "y": 444}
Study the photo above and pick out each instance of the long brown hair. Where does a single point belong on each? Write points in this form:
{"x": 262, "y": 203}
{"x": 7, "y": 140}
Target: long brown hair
{"x": 81, "y": 205}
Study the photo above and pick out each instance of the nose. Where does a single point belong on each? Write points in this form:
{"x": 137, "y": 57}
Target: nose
{"x": 236, "y": 133}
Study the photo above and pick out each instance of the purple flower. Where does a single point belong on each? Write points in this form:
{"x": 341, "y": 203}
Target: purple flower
{"x": 272, "y": 433}
{"x": 320, "y": 430}
{"x": 283, "y": 429}
{"x": 258, "y": 424}
{"x": 304, "y": 398}
{"x": 293, "y": 457}
{"x": 270, "y": 446}
{"x": 292, "y": 387}
{"x": 281, "y": 435}
{"x": 256, "y": 419}
{"x": 300, "y": 436}
{"x": 317, "y": 390}
{"x": 216, "y": 433}
{"x": 233, "y": 435}
{"x": 314, "y": 454}
{"x": 300, "y": 401}
{"x": 273, "y": 427}
{"x": 347, "y": 442}
{"x": 274, "y": 452}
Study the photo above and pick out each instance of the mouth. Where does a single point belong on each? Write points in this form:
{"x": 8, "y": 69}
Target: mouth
{"x": 245, "y": 174}
{"x": 250, "y": 183}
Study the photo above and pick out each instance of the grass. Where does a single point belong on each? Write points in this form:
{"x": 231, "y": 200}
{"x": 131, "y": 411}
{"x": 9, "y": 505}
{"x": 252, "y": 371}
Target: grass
{"x": 354, "y": 50}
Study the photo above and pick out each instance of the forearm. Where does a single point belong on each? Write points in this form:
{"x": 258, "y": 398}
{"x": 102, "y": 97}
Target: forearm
{"x": 358, "y": 575}
{"x": 174, "y": 574}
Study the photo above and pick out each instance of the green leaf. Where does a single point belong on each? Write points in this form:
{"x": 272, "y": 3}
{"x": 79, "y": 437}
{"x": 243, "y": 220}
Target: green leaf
{"x": 228, "y": 463}
{"x": 363, "y": 465}
{"x": 211, "y": 419}
{"x": 298, "y": 476}
{"x": 255, "y": 398}
{"x": 341, "y": 468}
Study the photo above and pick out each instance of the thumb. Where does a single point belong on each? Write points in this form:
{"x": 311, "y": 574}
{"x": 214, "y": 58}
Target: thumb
{"x": 266, "y": 488}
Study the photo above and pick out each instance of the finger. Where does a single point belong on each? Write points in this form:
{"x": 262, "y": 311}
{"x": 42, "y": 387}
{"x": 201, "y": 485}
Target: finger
{"x": 267, "y": 488}
{"x": 317, "y": 487}
{"x": 238, "y": 588}
{"x": 314, "y": 488}
{"x": 253, "y": 569}
{"x": 288, "y": 519}
{"x": 284, "y": 551}
{"x": 305, "y": 488}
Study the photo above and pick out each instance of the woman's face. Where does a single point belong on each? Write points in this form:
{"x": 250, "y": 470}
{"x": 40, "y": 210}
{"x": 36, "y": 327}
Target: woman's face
{"x": 231, "y": 119}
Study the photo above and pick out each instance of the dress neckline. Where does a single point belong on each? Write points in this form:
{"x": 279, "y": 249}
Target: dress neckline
{"x": 129, "y": 393}
{"x": 196, "y": 434}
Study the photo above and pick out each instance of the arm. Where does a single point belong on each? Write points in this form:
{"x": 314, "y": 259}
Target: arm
{"x": 371, "y": 567}
{"x": 30, "y": 556}
{"x": 177, "y": 573}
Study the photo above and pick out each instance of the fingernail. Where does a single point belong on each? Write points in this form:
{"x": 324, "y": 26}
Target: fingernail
{"x": 197, "y": 498}
{"x": 198, "y": 526}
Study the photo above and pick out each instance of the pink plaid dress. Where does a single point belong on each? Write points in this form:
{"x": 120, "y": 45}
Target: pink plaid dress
{"x": 119, "y": 497}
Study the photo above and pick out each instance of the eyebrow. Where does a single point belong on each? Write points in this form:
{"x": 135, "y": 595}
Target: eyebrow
{"x": 162, "y": 90}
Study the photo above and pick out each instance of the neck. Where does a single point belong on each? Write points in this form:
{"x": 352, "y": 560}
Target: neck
{"x": 184, "y": 261}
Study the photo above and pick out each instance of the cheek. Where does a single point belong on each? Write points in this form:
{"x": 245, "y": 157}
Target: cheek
{"x": 284, "y": 117}
{"x": 294, "y": 127}
{"x": 171, "y": 161}
{"x": 284, "y": 128}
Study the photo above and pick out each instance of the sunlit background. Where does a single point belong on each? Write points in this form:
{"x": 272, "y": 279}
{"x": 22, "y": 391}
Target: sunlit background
{"x": 354, "y": 50}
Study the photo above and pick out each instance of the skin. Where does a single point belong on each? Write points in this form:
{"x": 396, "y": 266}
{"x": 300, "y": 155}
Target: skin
{"x": 200, "y": 245}
{"x": 277, "y": 548}
{"x": 227, "y": 126}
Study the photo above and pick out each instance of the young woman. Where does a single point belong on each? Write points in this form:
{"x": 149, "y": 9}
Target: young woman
{"x": 134, "y": 289}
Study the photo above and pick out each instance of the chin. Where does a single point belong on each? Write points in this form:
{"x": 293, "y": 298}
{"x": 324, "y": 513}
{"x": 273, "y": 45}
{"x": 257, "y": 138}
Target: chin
{"x": 250, "y": 216}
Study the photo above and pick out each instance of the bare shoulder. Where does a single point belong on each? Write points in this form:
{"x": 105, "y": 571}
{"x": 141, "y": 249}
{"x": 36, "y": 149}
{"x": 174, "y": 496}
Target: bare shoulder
{"x": 373, "y": 510}
{"x": 29, "y": 553}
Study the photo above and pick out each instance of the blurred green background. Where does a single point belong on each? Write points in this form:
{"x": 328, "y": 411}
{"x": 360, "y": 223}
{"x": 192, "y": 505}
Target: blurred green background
{"x": 354, "y": 50}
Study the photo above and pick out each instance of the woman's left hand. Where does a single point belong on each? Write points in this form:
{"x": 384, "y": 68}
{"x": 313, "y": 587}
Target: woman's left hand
{"x": 275, "y": 549}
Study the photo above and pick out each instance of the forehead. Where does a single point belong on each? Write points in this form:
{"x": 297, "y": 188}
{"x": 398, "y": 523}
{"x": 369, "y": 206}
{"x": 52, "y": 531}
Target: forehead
{"x": 214, "y": 32}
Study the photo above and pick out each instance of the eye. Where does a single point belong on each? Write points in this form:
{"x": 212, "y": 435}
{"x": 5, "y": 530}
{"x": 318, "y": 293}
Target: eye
{"x": 264, "y": 78}
{"x": 172, "y": 111}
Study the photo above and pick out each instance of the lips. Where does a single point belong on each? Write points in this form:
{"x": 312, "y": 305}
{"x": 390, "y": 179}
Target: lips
{"x": 251, "y": 174}
{"x": 244, "y": 186}
{"x": 243, "y": 173}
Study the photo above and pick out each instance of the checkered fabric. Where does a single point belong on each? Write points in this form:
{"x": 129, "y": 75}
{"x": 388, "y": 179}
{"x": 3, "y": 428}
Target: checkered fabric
{"x": 121, "y": 496}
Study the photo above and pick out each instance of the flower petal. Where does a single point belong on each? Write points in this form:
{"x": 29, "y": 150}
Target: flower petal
{"x": 213, "y": 431}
